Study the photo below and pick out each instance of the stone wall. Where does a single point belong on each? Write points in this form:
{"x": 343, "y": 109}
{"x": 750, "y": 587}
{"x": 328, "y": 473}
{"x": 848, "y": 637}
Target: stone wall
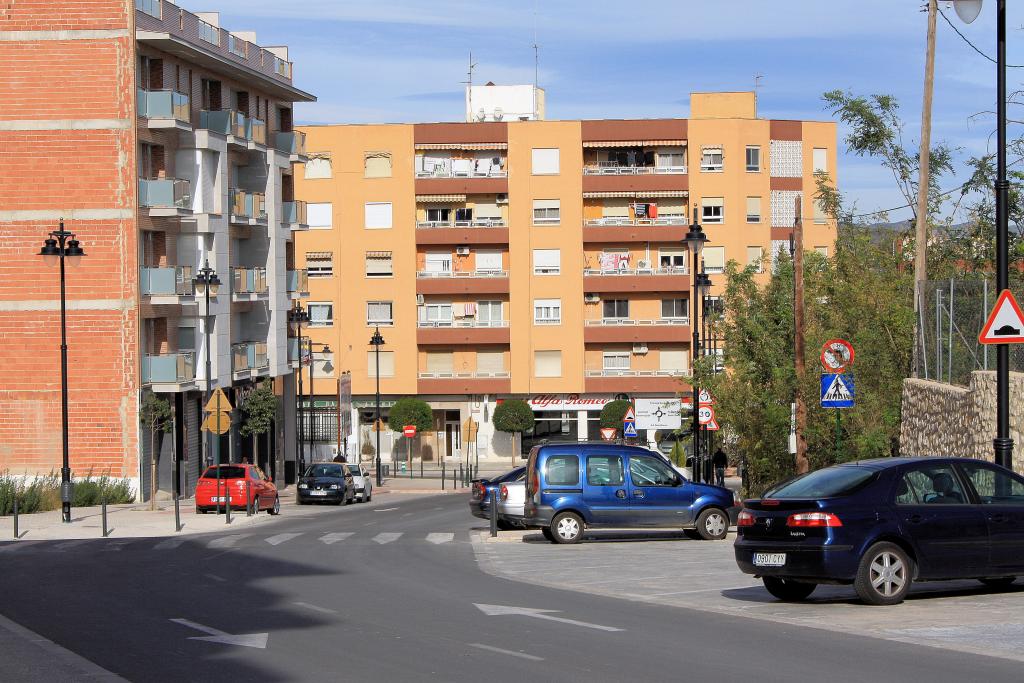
{"x": 942, "y": 419}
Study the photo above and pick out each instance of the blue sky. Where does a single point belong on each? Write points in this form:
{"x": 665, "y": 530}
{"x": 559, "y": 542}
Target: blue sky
{"x": 404, "y": 60}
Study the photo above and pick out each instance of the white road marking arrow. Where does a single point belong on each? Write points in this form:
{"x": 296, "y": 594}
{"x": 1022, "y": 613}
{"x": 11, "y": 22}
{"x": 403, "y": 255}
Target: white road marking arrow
{"x": 501, "y": 610}
{"x": 257, "y": 640}
{"x": 281, "y": 538}
{"x": 335, "y": 537}
{"x": 438, "y": 538}
{"x": 388, "y": 537}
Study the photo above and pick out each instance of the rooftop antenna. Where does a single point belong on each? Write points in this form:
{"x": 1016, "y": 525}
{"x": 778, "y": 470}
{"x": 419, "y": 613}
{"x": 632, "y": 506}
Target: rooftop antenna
{"x": 536, "y": 62}
{"x": 757, "y": 81}
{"x": 469, "y": 84}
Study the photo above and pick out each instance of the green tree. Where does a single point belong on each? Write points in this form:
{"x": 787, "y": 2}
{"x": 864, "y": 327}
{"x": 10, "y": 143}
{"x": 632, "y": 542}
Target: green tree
{"x": 156, "y": 415}
{"x": 613, "y": 413}
{"x": 514, "y": 417}
{"x": 411, "y": 411}
{"x": 260, "y": 409}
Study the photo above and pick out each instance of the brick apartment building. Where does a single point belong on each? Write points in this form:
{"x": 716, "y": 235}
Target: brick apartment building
{"x": 537, "y": 259}
{"x": 165, "y": 142}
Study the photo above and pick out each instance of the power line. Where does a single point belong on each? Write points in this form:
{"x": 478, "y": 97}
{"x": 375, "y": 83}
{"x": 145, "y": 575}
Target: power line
{"x": 973, "y": 46}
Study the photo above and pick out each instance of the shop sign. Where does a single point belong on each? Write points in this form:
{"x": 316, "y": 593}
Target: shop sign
{"x": 568, "y": 401}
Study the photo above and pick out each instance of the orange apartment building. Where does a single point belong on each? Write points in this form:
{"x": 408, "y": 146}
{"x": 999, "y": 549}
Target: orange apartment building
{"x": 165, "y": 142}
{"x": 536, "y": 259}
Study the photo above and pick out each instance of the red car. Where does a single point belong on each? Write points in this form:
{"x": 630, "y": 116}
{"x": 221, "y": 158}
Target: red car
{"x": 262, "y": 493}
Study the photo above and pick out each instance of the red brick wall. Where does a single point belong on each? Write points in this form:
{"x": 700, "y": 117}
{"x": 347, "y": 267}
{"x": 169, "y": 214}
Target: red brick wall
{"x": 56, "y": 172}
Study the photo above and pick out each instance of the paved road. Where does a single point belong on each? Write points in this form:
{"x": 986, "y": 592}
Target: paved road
{"x": 396, "y": 601}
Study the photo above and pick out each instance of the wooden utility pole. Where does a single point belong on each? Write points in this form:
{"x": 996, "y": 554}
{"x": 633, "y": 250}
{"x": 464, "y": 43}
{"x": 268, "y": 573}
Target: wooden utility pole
{"x": 921, "y": 229}
{"x": 801, "y": 462}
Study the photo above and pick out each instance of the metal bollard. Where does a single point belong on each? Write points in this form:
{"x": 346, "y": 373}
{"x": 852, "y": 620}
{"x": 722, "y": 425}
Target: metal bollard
{"x": 248, "y": 498}
{"x": 103, "y": 512}
{"x": 443, "y": 474}
{"x": 421, "y": 466}
{"x": 462, "y": 476}
{"x": 16, "y": 534}
{"x": 177, "y": 514}
{"x": 227, "y": 505}
{"x": 494, "y": 512}
{"x": 455, "y": 481}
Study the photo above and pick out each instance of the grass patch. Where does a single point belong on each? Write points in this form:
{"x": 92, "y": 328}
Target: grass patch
{"x": 43, "y": 492}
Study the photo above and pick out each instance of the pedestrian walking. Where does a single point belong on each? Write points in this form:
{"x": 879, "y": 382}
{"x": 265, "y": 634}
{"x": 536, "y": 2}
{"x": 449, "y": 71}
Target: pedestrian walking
{"x": 719, "y": 461}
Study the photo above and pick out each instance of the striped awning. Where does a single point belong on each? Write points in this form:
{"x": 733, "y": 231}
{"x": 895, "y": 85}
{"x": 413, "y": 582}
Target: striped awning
{"x": 441, "y": 198}
{"x": 462, "y": 145}
{"x": 319, "y": 255}
{"x": 378, "y": 254}
{"x": 634, "y": 143}
{"x": 650, "y": 194}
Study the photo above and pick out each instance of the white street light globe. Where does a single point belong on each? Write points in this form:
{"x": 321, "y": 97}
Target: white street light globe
{"x": 967, "y": 10}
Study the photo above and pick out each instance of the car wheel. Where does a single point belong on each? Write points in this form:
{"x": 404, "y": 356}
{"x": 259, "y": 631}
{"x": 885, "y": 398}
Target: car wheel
{"x": 276, "y": 510}
{"x": 546, "y": 530}
{"x": 712, "y": 524}
{"x": 788, "y": 590}
{"x": 998, "y": 581}
{"x": 884, "y": 575}
{"x": 567, "y": 528}
{"x": 201, "y": 511}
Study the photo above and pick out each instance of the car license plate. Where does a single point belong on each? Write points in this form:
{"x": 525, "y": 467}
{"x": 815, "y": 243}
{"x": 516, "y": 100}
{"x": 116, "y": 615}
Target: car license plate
{"x": 318, "y": 493}
{"x": 769, "y": 559}
{"x": 222, "y": 499}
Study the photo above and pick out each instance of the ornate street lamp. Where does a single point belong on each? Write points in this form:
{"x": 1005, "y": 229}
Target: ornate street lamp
{"x": 695, "y": 240}
{"x": 207, "y": 284}
{"x": 377, "y": 341}
{"x": 298, "y": 316}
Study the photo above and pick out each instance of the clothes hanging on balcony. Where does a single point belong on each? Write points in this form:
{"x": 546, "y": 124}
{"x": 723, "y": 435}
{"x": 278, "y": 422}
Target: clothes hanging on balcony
{"x": 470, "y": 310}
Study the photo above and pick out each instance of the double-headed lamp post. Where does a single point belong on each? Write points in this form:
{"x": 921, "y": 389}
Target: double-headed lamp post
{"x": 61, "y": 245}
{"x": 207, "y": 284}
{"x": 695, "y": 240}
{"x": 298, "y": 316}
{"x": 377, "y": 341}
{"x": 324, "y": 350}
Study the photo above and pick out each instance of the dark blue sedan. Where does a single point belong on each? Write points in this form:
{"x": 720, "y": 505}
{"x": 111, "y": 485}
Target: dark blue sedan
{"x": 882, "y": 524}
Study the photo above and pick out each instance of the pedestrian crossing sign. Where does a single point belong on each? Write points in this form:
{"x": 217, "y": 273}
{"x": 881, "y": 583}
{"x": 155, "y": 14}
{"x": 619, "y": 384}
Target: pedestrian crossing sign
{"x": 837, "y": 391}
{"x": 630, "y": 429}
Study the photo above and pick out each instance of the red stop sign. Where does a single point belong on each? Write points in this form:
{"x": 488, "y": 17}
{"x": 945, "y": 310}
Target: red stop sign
{"x": 409, "y": 430}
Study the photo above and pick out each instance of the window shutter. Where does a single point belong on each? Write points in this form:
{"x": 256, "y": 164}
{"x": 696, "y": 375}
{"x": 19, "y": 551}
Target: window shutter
{"x": 487, "y": 210}
{"x": 378, "y": 215}
{"x": 377, "y": 165}
{"x": 490, "y": 361}
{"x": 488, "y": 261}
{"x": 545, "y": 161}
{"x": 547, "y": 363}
{"x": 440, "y": 362}
{"x": 671, "y": 207}
{"x": 753, "y": 207}
{"x": 318, "y": 167}
{"x": 714, "y": 259}
{"x": 378, "y": 312}
{"x": 820, "y": 160}
{"x": 546, "y": 203}
{"x": 547, "y": 258}
{"x": 616, "y": 208}
{"x": 673, "y": 359}
{"x": 378, "y": 263}
{"x": 754, "y": 255}
{"x": 320, "y": 215}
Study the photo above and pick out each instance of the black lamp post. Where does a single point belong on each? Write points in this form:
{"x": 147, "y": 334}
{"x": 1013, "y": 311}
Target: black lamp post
{"x": 59, "y": 246}
{"x": 298, "y": 316}
{"x": 324, "y": 350}
{"x": 377, "y": 341}
{"x": 695, "y": 240}
{"x": 207, "y": 283}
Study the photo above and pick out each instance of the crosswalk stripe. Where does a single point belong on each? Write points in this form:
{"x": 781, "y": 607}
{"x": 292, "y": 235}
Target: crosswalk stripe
{"x": 226, "y": 541}
{"x": 169, "y": 544}
{"x": 117, "y": 546}
{"x": 440, "y": 538}
{"x": 335, "y": 537}
{"x": 281, "y": 538}
{"x": 387, "y": 537}
{"x": 70, "y": 544}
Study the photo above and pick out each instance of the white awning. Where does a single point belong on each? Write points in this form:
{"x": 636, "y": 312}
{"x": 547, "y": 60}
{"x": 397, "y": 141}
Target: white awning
{"x": 634, "y": 143}
{"x": 461, "y": 145}
{"x": 650, "y": 194}
{"x": 441, "y": 198}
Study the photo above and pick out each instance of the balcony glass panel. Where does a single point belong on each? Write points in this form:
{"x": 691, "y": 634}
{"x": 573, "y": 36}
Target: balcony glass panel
{"x": 209, "y": 32}
{"x": 164, "y": 104}
{"x": 169, "y": 367}
{"x": 165, "y": 193}
{"x": 293, "y": 212}
{"x": 291, "y": 142}
{"x": 249, "y": 280}
{"x": 151, "y": 7}
{"x": 256, "y": 130}
{"x": 168, "y": 281}
{"x": 298, "y": 280}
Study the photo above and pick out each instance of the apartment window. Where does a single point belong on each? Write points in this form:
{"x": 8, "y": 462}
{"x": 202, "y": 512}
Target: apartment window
{"x": 379, "y": 313}
{"x": 672, "y": 258}
{"x": 440, "y": 362}
{"x": 490, "y": 362}
{"x": 672, "y": 360}
{"x": 488, "y": 261}
{"x": 753, "y": 209}
{"x": 670, "y": 159}
{"x": 377, "y": 165}
{"x": 377, "y": 215}
{"x": 711, "y": 159}
{"x": 489, "y": 312}
{"x": 436, "y": 312}
{"x": 615, "y": 309}
{"x": 675, "y": 308}
{"x": 319, "y": 263}
{"x": 713, "y": 306}
{"x": 439, "y": 214}
{"x": 547, "y": 261}
{"x": 387, "y": 364}
{"x": 379, "y": 264}
{"x": 439, "y": 262}
{"x": 547, "y": 311}
{"x": 712, "y": 210}
{"x": 819, "y": 212}
{"x": 822, "y": 250}
{"x": 546, "y": 211}
{"x": 321, "y": 314}
{"x": 755, "y": 256}
{"x": 320, "y": 216}
{"x": 615, "y": 360}
{"x": 547, "y": 363}
{"x": 545, "y": 161}
{"x": 714, "y": 259}
{"x": 319, "y": 167}
{"x": 820, "y": 158}
{"x": 753, "y": 159}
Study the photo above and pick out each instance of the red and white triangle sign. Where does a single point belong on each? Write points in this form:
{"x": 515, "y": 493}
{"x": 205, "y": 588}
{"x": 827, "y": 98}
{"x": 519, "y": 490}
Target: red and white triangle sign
{"x": 713, "y": 425}
{"x": 630, "y": 415}
{"x": 1006, "y": 322}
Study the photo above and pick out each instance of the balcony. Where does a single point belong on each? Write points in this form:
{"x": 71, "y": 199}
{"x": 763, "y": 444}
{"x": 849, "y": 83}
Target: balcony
{"x": 462, "y": 282}
{"x": 463, "y": 383}
{"x": 248, "y": 284}
{"x": 634, "y": 381}
{"x": 166, "y": 285}
{"x": 615, "y": 168}
{"x": 293, "y": 215}
{"x": 427, "y": 167}
{"x": 621, "y": 229}
{"x": 240, "y": 130}
{"x": 298, "y": 283}
{"x": 169, "y": 371}
{"x": 631, "y": 330}
{"x": 165, "y": 196}
{"x": 674, "y": 279}
{"x": 164, "y": 109}
{"x": 476, "y": 231}
{"x": 292, "y": 143}
{"x": 249, "y": 359}
{"x": 248, "y": 208}
{"x": 445, "y": 332}
{"x": 256, "y": 133}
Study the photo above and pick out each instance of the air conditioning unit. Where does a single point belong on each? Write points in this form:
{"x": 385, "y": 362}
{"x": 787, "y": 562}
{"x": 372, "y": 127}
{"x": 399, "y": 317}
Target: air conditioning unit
{"x": 420, "y": 300}
{"x": 643, "y": 264}
{"x": 502, "y": 198}
{"x": 591, "y": 298}
{"x": 462, "y": 251}
{"x": 640, "y": 349}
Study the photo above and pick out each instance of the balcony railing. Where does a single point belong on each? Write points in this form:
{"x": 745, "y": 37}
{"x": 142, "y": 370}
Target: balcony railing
{"x": 460, "y": 168}
{"x": 256, "y": 131}
{"x": 168, "y": 281}
{"x": 230, "y": 122}
{"x": 209, "y": 32}
{"x": 634, "y": 373}
{"x": 430, "y": 274}
{"x": 164, "y": 104}
{"x": 293, "y": 212}
{"x": 151, "y": 7}
{"x": 248, "y": 204}
{"x": 282, "y": 67}
{"x": 462, "y": 375}
{"x": 623, "y": 322}
{"x": 249, "y": 356}
{"x": 671, "y": 270}
{"x": 474, "y": 223}
{"x": 168, "y": 368}
{"x": 164, "y": 193}
{"x": 249, "y": 280}
{"x": 462, "y": 324}
{"x": 298, "y": 281}
{"x": 617, "y": 220}
{"x": 610, "y": 168}
{"x": 291, "y": 142}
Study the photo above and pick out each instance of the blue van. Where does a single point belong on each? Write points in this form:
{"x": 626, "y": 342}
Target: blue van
{"x": 572, "y": 486}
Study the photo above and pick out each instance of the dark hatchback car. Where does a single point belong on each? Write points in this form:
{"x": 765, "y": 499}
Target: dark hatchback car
{"x": 325, "y": 482}
{"x": 882, "y": 524}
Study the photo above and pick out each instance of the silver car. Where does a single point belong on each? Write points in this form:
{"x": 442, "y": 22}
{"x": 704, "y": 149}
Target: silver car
{"x": 363, "y": 482}
{"x": 511, "y": 500}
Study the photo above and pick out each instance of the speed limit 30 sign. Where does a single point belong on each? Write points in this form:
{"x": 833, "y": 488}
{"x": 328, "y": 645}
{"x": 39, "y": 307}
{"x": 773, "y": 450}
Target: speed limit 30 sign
{"x": 705, "y": 414}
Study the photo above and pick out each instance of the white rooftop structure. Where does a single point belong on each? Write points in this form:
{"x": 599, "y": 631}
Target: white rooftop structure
{"x": 492, "y": 102}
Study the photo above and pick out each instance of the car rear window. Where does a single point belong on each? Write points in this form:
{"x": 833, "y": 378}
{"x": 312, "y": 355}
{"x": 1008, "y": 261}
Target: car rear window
{"x": 325, "y": 471}
{"x": 563, "y": 470}
{"x": 827, "y": 483}
{"x": 517, "y": 474}
{"x": 225, "y": 473}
